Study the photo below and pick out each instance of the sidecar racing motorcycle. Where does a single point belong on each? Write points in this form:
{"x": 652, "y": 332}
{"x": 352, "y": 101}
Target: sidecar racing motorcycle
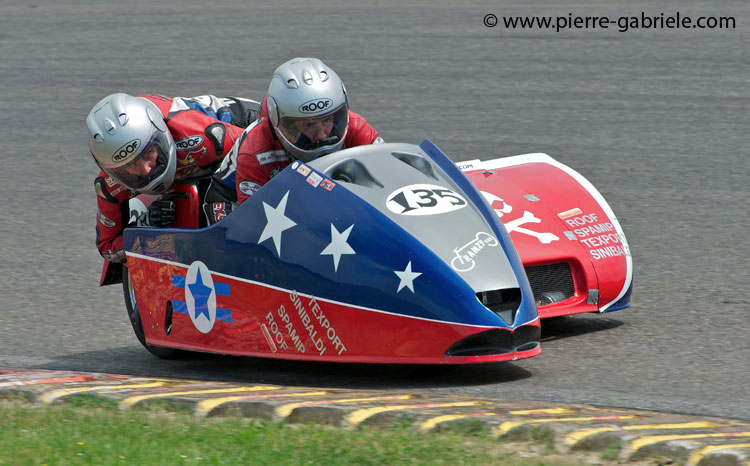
{"x": 387, "y": 253}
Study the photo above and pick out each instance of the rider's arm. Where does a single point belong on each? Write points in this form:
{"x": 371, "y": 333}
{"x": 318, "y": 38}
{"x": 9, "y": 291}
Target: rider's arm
{"x": 360, "y": 132}
{"x": 200, "y": 139}
{"x": 112, "y": 201}
{"x": 250, "y": 176}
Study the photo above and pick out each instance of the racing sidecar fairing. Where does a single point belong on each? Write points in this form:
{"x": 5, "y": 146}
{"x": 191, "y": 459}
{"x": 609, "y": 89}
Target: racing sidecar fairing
{"x": 384, "y": 253}
{"x": 572, "y": 246}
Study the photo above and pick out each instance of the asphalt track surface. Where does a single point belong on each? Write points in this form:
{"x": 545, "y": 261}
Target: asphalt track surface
{"x": 656, "y": 119}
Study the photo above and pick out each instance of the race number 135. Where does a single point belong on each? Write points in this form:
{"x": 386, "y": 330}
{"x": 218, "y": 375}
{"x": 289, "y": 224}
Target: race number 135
{"x": 424, "y": 199}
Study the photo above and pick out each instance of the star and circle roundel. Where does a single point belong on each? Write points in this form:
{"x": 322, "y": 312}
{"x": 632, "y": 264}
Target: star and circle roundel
{"x": 200, "y": 297}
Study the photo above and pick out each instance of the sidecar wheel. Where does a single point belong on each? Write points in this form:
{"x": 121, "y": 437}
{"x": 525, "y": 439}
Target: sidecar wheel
{"x": 135, "y": 320}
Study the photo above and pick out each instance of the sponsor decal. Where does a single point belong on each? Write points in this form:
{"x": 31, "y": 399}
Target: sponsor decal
{"x": 275, "y": 332}
{"x": 582, "y": 220}
{"x": 316, "y": 105}
{"x": 314, "y": 179}
{"x": 570, "y": 213}
{"x": 126, "y": 150}
{"x": 189, "y": 158}
{"x": 467, "y": 165}
{"x": 188, "y": 143}
{"x": 187, "y": 171}
{"x": 285, "y": 322}
{"x": 220, "y": 211}
{"x": 295, "y": 165}
{"x": 118, "y": 191}
{"x": 320, "y": 331}
{"x": 106, "y": 221}
{"x": 303, "y": 170}
{"x": 464, "y": 255}
{"x": 185, "y": 159}
{"x": 424, "y": 199}
{"x": 600, "y": 236}
{"x": 249, "y": 188}
{"x": 272, "y": 156}
{"x": 327, "y": 184}
{"x": 269, "y": 339}
{"x": 111, "y": 182}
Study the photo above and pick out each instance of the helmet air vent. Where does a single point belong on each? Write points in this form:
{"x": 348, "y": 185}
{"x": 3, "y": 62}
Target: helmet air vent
{"x": 109, "y": 125}
{"x": 323, "y": 76}
{"x": 292, "y": 83}
{"x": 123, "y": 117}
{"x": 307, "y": 77}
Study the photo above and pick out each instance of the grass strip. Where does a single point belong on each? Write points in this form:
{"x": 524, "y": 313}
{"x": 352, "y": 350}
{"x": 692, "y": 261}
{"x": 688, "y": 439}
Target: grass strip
{"x": 83, "y": 432}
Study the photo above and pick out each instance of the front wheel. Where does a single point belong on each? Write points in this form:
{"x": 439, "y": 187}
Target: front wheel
{"x": 135, "y": 320}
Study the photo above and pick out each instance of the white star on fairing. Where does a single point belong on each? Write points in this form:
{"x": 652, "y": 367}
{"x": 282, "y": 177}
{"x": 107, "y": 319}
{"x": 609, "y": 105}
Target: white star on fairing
{"x": 277, "y": 223}
{"x": 338, "y": 246}
{"x": 407, "y": 278}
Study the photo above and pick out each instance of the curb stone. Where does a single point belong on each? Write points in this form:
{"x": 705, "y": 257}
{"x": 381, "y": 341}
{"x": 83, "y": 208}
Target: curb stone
{"x": 692, "y": 440}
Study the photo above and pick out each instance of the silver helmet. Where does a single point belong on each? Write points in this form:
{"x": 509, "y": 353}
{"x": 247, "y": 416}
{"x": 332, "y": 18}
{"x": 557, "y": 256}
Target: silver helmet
{"x": 129, "y": 140}
{"x": 308, "y": 108}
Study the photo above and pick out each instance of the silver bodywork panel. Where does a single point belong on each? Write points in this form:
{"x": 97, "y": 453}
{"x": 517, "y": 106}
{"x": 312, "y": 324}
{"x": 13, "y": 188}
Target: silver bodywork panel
{"x": 406, "y": 185}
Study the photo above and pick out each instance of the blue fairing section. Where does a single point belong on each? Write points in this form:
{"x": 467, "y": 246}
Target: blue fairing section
{"x": 527, "y": 311}
{"x": 367, "y": 277}
{"x": 623, "y": 302}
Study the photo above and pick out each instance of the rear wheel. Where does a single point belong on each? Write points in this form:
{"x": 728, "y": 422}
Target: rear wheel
{"x": 135, "y": 320}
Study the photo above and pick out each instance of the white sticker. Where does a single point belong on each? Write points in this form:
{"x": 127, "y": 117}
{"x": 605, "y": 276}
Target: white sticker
{"x": 200, "y": 296}
{"x": 464, "y": 255}
{"x": 424, "y": 199}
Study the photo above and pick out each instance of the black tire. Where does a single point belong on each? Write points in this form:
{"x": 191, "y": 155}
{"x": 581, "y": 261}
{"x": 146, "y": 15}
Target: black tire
{"x": 135, "y": 321}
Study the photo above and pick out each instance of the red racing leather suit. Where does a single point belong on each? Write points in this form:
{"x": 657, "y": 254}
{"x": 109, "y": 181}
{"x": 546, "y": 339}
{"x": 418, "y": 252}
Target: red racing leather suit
{"x": 201, "y": 140}
{"x": 259, "y": 155}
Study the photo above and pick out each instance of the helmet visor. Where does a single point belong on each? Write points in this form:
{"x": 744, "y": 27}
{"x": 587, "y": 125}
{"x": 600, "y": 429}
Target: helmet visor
{"x": 146, "y": 167}
{"x": 310, "y": 133}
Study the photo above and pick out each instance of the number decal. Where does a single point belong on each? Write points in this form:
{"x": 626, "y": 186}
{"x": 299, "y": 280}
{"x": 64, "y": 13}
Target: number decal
{"x": 424, "y": 199}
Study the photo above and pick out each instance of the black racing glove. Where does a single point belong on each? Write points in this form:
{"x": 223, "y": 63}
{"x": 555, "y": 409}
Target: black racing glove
{"x": 161, "y": 213}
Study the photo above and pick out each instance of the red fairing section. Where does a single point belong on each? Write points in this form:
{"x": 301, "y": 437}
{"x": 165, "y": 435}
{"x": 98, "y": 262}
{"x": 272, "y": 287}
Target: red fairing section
{"x": 187, "y": 206}
{"x": 253, "y": 319}
{"x": 554, "y": 215}
{"x": 186, "y": 214}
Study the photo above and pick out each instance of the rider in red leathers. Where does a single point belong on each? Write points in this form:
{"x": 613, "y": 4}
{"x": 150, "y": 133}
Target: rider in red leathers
{"x": 304, "y": 115}
{"x": 144, "y": 144}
